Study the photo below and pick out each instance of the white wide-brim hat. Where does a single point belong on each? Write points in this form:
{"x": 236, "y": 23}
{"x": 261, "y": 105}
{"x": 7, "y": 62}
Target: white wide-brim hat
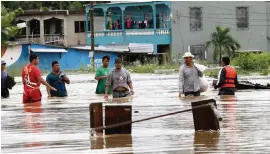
{"x": 188, "y": 54}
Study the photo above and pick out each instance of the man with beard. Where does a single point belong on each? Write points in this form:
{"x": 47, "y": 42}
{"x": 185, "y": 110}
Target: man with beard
{"x": 57, "y": 79}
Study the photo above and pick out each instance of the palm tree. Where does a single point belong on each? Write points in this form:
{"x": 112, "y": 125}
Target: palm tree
{"x": 7, "y": 29}
{"x": 222, "y": 42}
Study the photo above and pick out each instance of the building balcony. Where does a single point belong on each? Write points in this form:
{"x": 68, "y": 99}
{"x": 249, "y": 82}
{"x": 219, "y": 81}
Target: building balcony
{"x": 54, "y": 39}
{"x": 27, "y": 38}
{"x": 158, "y": 36}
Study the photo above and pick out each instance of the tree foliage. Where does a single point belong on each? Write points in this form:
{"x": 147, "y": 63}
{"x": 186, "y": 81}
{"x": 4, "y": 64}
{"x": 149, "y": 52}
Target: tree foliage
{"x": 75, "y": 6}
{"x": 7, "y": 29}
{"x": 45, "y": 5}
{"x": 222, "y": 43}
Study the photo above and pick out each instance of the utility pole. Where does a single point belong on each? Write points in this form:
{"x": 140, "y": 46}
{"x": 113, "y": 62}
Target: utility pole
{"x": 92, "y": 33}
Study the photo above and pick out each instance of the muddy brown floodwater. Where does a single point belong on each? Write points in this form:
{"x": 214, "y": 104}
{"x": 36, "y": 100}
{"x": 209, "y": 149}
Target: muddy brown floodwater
{"x": 61, "y": 126}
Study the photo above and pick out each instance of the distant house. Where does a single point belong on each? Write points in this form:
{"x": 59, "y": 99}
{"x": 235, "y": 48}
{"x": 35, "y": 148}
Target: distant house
{"x": 56, "y": 27}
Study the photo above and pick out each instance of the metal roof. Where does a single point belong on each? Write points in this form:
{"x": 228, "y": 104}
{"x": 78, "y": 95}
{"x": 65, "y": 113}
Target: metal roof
{"x": 127, "y": 48}
{"x": 47, "y": 50}
{"x": 120, "y": 2}
{"x": 115, "y": 48}
{"x": 141, "y": 48}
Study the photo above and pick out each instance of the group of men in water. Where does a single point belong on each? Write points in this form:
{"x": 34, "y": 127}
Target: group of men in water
{"x": 189, "y": 74}
{"x": 116, "y": 81}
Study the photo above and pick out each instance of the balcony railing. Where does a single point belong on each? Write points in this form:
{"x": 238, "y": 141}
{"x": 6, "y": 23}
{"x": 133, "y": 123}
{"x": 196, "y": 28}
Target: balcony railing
{"x": 31, "y": 38}
{"x": 131, "y": 32}
{"x": 59, "y": 39}
{"x": 140, "y": 32}
{"x": 163, "y": 32}
{"x": 50, "y": 38}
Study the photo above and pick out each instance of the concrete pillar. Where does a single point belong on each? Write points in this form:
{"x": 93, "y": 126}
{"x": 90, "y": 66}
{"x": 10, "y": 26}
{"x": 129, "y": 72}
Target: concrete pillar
{"x": 86, "y": 22}
{"x": 123, "y": 20}
{"x": 27, "y": 31}
{"x": 154, "y": 18}
{"x": 41, "y": 21}
{"x": 105, "y": 18}
{"x": 65, "y": 32}
{"x": 87, "y": 34}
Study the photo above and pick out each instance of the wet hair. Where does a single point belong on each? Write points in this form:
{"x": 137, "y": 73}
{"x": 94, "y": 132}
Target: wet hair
{"x": 226, "y": 60}
{"x": 32, "y": 57}
{"x": 54, "y": 62}
{"x": 106, "y": 57}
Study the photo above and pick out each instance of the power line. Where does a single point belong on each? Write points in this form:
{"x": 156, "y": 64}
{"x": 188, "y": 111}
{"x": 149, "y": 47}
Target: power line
{"x": 262, "y": 13}
{"x": 187, "y": 14}
{"x": 230, "y": 23}
{"x": 222, "y": 7}
{"x": 204, "y": 17}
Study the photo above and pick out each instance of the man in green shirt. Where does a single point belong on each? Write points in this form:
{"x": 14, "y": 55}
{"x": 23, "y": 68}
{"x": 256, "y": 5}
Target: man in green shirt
{"x": 102, "y": 74}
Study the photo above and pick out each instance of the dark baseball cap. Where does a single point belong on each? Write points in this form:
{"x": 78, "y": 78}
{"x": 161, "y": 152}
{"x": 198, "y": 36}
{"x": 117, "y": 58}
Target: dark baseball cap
{"x": 118, "y": 60}
{"x": 3, "y": 62}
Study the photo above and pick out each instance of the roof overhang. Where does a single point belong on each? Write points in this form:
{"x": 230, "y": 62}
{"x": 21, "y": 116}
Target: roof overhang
{"x": 120, "y": 48}
{"x": 47, "y": 50}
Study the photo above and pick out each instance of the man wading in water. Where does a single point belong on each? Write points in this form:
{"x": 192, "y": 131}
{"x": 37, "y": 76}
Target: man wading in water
{"x": 57, "y": 79}
{"x": 119, "y": 79}
{"x": 189, "y": 83}
{"x": 102, "y": 74}
{"x": 31, "y": 78}
{"x": 227, "y": 78}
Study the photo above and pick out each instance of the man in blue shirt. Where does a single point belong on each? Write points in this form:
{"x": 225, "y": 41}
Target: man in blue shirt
{"x": 57, "y": 79}
{"x": 4, "y": 89}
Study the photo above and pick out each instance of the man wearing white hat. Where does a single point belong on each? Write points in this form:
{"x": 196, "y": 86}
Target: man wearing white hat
{"x": 189, "y": 83}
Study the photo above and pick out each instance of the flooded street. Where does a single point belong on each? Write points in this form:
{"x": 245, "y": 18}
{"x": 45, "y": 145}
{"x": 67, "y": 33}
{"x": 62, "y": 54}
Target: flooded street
{"x": 62, "y": 125}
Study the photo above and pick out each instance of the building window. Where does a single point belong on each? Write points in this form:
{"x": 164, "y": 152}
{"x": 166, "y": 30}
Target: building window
{"x": 195, "y": 14}
{"x": 79, "y": 26}
{"x": 242, "y": 17}
{"x": 198, "y": 51}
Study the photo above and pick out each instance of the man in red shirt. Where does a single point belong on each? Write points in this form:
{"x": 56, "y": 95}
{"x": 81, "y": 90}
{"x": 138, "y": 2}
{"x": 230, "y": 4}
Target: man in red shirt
{"x": 31, "y": 78}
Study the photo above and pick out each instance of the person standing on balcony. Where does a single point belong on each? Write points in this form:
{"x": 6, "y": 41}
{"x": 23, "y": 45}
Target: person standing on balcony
{"x": 102, "y": 74}
{"x": 31, "y": 79}
{"x": 227, "y": 78}
{"x": 120, "y": 81}
{"x": 57, "y": 79}
{"x": 189, "y": 83}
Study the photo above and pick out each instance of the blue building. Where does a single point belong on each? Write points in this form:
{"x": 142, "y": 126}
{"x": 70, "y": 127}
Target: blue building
{"x": 144, "y": 27}
{"x": 70, "y": 59}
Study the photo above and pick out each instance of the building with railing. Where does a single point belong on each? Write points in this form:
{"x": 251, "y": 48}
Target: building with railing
{"x": 141, "y": 26}
{"x": 57, "y": 27}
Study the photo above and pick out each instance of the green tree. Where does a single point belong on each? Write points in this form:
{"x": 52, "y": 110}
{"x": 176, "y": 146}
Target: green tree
{"x": 52, "y": 5}
{"x": 7, "y": 29}
{"x": 222, "y": 43}
{"x": 76, "y": 6}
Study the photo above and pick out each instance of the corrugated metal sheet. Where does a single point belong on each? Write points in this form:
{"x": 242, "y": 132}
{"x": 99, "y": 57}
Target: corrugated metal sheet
{"x": 130, "y": 48}
{"x": 141, "y": 48}
{"x": 111, "y": 47}
{"x": 47, "y": 50}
